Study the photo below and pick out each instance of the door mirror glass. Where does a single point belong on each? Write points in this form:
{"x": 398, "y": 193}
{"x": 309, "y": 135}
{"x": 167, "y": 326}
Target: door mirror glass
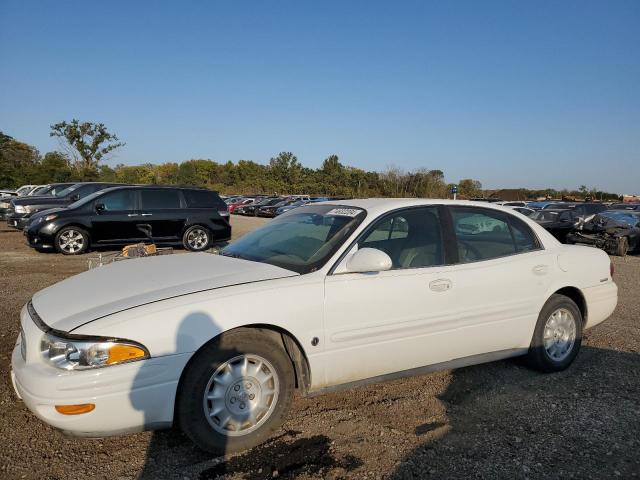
{"x": 368, "y": 260}
{"x": 75, "y": 197}
{"x": 100, "y": 207}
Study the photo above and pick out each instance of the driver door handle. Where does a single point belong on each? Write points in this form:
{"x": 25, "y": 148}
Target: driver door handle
{"x": 132, "y": 215}
{"x": 440, "y": 285}
{"x": 147, "y": 214}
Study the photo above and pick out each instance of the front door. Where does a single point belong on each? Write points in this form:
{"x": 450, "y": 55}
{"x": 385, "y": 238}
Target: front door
{"x": 385, "y": 322}
{"x": 115, "y": 217}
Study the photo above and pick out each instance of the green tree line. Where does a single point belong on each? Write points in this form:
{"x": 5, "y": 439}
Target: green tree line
{"x": 86, "y": 144}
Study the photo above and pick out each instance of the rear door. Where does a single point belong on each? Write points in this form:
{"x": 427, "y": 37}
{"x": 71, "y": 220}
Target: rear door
{"x": 163, "y": 209}
{"x": 114, "y": 217}
{"x": 500, "y": 279}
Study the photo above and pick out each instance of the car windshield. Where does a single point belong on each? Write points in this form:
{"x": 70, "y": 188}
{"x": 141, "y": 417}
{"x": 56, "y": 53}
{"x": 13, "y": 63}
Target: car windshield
{"x": 545, "y": 216}
{"x": 88, "y": 198}
{"x": 66, "y": 191}
{"x": 631, "y": 218}
{"x": 301, "y": 240}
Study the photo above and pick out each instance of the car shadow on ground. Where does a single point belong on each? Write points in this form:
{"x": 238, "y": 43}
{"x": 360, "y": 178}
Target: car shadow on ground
{"x": 506, "y": 421}
{"x": 502, "y": 420}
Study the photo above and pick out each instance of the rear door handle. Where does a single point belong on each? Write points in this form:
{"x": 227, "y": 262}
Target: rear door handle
{"x": 440, "y": 285}
{"x": 541, "y": 269}
{"x": 147, "y": 214}
{"x": 132, "y": 215}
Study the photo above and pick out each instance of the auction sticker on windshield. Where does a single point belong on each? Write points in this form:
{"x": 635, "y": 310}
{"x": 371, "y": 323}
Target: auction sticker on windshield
{"x": 344, "y": 212}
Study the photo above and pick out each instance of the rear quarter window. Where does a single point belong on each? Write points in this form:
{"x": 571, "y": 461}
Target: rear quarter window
{"x": 202, "y": 199}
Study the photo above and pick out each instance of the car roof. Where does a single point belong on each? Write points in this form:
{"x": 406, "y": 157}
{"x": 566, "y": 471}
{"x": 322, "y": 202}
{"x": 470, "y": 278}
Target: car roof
{"x": 380, "y": 205}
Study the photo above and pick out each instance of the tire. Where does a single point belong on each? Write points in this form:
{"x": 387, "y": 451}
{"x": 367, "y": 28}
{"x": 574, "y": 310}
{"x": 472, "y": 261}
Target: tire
{"x": 200, "y": 397}
{"x": 71, "y": 241}
{"x": 556, "y": 343}
{"x": 197, "y": 238}
{"x": 622, "y": 246}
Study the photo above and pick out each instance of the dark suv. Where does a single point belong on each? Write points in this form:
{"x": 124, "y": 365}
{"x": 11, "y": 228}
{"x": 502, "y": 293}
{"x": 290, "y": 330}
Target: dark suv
{"x": 21, "y": 209}
{"x": 189, "y": 216}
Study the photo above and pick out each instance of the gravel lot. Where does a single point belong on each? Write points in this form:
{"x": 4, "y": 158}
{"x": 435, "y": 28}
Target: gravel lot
{"x": 497, "y": 420}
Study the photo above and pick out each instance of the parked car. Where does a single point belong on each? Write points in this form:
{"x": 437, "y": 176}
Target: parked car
{"x": 326, "y": 296}
{"x": 186, "y": 216}
{"x": 252, "y": 208}
{"x": 527, "y": 212}
{"x": 558, "y": 222}
{"x": 24, "y": 190}
{"x": 22, "y": 209}
{"x": 270, "y": 210}
{"x": 615, "y": 231}
{"x": 50, "y": 189}
{"x": 242, "y": 202}
{"x": 300, "y": 203}
{"x": 625, "y": 206}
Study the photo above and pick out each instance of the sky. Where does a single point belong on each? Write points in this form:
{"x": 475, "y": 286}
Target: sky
{"x": 515, "y": 94}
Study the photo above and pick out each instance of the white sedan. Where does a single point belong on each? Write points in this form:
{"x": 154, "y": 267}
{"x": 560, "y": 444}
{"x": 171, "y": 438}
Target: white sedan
{"x": 329, "y": 295}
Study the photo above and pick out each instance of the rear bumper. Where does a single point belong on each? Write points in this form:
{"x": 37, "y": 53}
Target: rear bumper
{"x": 601, "y": 302}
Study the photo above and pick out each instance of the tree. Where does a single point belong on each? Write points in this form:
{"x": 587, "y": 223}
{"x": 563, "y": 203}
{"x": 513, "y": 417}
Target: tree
{"x": 17, "y": 161}
{"x": 470, "y": 188}
{"x": 87, "y": 143}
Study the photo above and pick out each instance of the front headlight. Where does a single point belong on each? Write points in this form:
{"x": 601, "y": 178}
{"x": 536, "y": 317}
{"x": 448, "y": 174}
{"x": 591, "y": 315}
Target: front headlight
{"x": 81, "y": 354}
{"x": 21, "y": 209}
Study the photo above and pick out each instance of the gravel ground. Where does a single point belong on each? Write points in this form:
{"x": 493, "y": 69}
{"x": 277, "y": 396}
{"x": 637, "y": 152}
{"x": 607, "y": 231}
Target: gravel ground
{"x": 498, "y": 420}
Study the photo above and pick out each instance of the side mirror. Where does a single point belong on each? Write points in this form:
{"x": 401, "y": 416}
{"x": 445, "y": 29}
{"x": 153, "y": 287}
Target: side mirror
{"x": 75, "y": 197}
{"x": 100, "y": 207}
{"x": 368, "y": 260}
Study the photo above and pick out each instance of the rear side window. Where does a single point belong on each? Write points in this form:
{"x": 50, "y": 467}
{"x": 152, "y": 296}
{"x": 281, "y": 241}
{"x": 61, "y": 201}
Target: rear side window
{"x": 202, "y": 199}
{"x": 159, "y": 199}
{"x": 483, "y": 234}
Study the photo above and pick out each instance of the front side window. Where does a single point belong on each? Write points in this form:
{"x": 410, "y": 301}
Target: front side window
{"x": 159, "y": 199}
{"x": 483, "y": 234}
{"x": 301, "y": 240}
{"x": 412, "y": 238}
{"x": 119, "y": 200}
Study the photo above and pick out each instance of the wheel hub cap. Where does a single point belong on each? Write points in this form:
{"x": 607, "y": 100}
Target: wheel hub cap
{"x": 559, "y": 334}
{"x": 71, "y": 241}
{"x": 241, "y": 395}
{"x": 197, "y": 238}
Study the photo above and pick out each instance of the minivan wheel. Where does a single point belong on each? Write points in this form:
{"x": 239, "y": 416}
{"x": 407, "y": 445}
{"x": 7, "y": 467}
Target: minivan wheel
{"x": 196, "y": 238}
{"x": 71, "y": 241}
{"x": 557, "y": 336}
{"x": 235, "y": 392}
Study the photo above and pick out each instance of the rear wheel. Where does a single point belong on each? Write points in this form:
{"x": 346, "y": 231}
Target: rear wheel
{"x": 197, "y": 238}
{"x": 236, "y": 392}
{"x": 71, "y": 241}
{"x": 557, "y": 336}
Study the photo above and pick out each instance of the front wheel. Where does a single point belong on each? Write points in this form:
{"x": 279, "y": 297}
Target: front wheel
{"x": 236, "y": 392}
{"x": 197, "y": 238}
{"x": 622, "y": 246}
{"x": 71, "y": 241}
{"x": 557, "y": 336}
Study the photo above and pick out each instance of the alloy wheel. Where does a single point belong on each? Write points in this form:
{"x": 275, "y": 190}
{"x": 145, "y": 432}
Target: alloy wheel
{"x": 559, "y": 334}
{"x": 197, "y": 238}
{"x": 71, "y": 241}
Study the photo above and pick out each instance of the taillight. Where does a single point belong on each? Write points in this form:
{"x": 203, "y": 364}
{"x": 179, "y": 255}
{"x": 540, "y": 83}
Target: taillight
{"x": 223, "y": 213}
{"x": 612, "y": 269}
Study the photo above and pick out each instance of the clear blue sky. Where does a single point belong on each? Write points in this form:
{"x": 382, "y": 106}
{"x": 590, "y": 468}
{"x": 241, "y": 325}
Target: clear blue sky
{"x": 513, "y": 93}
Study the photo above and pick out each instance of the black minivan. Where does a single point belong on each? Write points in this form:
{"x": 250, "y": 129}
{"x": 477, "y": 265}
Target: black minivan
{"x": 193, "y": 217}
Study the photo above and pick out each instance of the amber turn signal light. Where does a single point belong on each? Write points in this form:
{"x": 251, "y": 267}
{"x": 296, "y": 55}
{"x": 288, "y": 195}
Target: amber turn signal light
{"x": 75, "y": 409}
{"x": 123, "y": 353}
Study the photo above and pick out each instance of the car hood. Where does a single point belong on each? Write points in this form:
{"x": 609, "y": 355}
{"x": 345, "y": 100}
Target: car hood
{"x": 130, "y": 283}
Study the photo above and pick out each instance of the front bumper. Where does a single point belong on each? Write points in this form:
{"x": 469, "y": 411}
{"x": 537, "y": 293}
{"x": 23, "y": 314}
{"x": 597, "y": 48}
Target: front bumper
{"x": 18, "y": 221}
{"x": 128, "y": 398}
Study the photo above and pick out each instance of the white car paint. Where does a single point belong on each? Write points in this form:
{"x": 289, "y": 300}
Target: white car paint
{"x": 368, "y": 325}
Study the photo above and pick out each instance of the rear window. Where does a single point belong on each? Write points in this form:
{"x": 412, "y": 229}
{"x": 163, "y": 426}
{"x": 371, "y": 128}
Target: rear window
{"x": 202, "y": 199}
{"x": 160, "y": 199}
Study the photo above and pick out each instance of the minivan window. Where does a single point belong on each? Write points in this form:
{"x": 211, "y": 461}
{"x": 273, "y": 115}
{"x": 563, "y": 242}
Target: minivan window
{"x": 412, "y": 238}
{"x": 202, "y": 199}
{"x": 118, "y": 201}
{"x": 159, "y": 199}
